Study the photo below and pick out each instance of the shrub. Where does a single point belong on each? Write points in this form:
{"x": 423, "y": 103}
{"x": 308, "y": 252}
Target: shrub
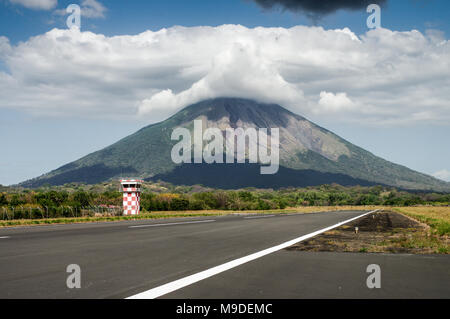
{"x": 179, "y": 204}
{"x": 195, "y": 204}
{"x": 3, "y": 200}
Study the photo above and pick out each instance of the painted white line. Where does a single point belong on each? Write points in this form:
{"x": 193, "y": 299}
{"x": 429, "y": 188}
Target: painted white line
{"x": 189, "y": 280}
{"x": 170, "y": 224}
{"x": 5, "y": 237}
{"x": 265, "y": 216}
{"x": 294, "y": 214}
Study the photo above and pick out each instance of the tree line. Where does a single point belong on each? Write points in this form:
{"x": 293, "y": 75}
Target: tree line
{"x": 179, "y": 199}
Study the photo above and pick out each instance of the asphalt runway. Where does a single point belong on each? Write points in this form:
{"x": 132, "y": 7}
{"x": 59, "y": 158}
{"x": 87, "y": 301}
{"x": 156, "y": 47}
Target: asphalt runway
{"x": 317, "y": 275}
{"x": 124, "y": 259}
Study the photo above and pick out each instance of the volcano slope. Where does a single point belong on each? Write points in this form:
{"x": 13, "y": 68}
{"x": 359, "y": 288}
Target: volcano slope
{"x": 309, "y": 154}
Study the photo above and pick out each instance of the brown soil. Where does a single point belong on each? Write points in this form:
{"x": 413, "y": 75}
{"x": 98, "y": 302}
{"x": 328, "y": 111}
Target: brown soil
{"x": 379, "y": 232}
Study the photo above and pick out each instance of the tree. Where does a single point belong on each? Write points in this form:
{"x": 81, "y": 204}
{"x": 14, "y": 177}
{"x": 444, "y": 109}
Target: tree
{"x": 16, "y": 200}
{"x": 3, "y": 200}
{"x": 246, "y": 196}
{"x": 368, "y": 199}
{"x": 179, "y": 204}
{"x": 195, "y": 204}
{"x": 57, "y": 198}
{"x": 81, "y": 199}
{"x": 209, "y": 199}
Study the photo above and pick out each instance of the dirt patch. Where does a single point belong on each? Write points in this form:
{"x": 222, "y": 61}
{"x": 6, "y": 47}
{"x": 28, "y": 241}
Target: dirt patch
{"x": 386, "y": 232}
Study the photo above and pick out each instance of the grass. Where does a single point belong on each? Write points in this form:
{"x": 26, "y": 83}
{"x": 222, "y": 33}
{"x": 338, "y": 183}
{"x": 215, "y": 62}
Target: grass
{"x": 438, "y": 218}
{"x": 31, "y": 222}
{"x": 424, "y": 242}
{"x": 430, "y": 238}
{"x": 153, "y": 215}
{"x": 436, "y": 238}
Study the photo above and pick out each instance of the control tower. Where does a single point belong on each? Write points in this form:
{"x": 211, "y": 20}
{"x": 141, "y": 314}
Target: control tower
{"x": 131, "y": 189}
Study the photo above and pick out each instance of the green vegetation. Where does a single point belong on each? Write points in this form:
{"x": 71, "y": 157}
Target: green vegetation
{"x": 388, "y": 231}
{"x": 77, "y": 200}
{"x": 438, "y": 218}
{"x": 434, "y": 237}
{"x": 80, "y": 203}
{"x": 147, "y": 153}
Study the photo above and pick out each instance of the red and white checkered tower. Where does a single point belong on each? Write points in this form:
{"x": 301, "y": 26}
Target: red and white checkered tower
{"x": 131, "y": 189}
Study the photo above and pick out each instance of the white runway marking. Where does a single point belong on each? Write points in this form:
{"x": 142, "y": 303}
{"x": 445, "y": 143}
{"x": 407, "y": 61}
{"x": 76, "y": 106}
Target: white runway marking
{"x": 5, "y": 237}
{"x": 253, "y": 217}
{"x": 189, "y": 280}
{"x": 170, "y": 224}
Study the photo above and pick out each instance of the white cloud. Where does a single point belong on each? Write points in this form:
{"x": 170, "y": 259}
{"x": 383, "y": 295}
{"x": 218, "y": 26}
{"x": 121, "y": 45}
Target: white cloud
{"x": 89, "y": 9}
{"x": 381, "y": 77}
{"x": 443, "y": 175}
{"x": 239, "y": 71}
{"x": 331, "y": 102}
{"x": 92, "y": 9}
{"x": 36, "y": 4}
{"x": 5, "y": 47}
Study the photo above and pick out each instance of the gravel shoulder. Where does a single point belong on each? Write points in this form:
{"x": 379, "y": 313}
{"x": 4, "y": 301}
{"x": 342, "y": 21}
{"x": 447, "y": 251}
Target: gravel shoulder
{"x": 381, "y": 232}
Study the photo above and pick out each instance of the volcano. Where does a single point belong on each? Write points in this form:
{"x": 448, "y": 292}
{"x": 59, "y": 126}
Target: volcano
{"x": 309, "y": 155}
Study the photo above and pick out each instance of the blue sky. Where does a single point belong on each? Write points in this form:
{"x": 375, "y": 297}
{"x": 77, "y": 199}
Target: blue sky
{"x": 36, "y": 141}
{"x": 131, "y": 17}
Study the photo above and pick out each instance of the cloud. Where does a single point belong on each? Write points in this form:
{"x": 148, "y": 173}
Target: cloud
{"x": 239, "y": 71}
{"x": 382, "y": 77}
{"x": 5, "y": 47}
{"x": 317, "y": 8}
{"x": 443, "y": 175}
{"x": 89, "y": 9}
{"x": 92, "y": 9}
{"x": 36, "y": 4}
{"x": 334, "y": 102}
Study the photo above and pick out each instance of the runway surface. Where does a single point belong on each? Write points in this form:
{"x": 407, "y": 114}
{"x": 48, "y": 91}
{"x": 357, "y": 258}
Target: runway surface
{"x": 123, "y": 259}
